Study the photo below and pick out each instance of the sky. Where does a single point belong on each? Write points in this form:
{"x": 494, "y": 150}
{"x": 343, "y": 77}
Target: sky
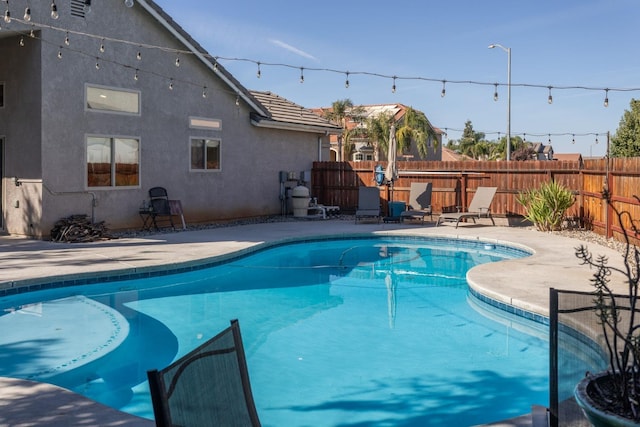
{"x": 590, "y": 44}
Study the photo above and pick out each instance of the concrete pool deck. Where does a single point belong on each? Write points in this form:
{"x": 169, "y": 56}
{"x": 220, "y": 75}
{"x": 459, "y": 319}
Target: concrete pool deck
{"x": 32, "y": 262}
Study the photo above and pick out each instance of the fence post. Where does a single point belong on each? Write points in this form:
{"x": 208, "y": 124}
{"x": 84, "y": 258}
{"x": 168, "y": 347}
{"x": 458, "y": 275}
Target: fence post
{"x": 553, "y": 357}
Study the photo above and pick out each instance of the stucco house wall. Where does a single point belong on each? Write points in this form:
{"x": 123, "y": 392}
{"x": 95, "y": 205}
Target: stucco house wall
{"x": 45, "y": 122}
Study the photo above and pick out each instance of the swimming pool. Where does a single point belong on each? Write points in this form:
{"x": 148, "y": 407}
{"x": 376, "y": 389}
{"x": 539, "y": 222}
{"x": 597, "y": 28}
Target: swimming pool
{"x": 361, "y": 331}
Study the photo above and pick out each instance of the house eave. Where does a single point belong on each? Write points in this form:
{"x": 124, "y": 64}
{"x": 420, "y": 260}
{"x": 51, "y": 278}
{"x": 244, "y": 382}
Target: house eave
{"x": 272, "y": 124}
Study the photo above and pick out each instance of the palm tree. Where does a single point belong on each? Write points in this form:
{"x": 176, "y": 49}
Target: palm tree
{"x": 341, "y": 112}
{"x": 378, "y": 128}
{"x": 415, "y": 127}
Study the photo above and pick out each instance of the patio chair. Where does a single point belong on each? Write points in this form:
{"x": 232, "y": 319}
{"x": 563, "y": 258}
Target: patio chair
{"x": 160, "y": 207}
{"x": 419, "y": 202}
{"x": 208, "y": 386}
{"x": 368, "y": 203}
{"x": 480, "y": 207}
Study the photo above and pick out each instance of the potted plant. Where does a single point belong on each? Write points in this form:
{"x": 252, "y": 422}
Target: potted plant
{"x": 612, "y": 398}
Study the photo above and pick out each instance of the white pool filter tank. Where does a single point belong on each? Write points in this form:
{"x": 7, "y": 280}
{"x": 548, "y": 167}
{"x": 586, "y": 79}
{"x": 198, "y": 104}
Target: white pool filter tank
{"x": 300, "y": 201}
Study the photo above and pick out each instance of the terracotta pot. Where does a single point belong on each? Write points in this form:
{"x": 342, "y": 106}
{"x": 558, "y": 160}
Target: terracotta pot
{"x": 596, "y": 416}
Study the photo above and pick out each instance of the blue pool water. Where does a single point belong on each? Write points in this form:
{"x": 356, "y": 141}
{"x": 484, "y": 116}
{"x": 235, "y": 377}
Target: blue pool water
{"x": 347, "y": 332}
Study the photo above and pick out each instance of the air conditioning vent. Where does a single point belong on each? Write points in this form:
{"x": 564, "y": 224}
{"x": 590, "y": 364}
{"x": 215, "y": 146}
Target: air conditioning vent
{"x": 78, "y": 8}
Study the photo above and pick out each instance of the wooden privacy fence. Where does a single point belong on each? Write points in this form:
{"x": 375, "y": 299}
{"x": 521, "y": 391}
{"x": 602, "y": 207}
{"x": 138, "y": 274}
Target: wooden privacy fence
{"x": 336, "y": 183}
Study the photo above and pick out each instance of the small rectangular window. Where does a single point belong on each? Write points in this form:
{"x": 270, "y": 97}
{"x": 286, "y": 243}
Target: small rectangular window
{"x": 200, "y": 123}
{"x": 112, "y": 100}
{"x": 205, "y": 154}
{"x": 113, "y": 162}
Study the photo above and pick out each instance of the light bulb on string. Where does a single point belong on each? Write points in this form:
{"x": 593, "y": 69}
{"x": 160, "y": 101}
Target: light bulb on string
{"x": 170, "y": 84}
{"x": 54, "y": 10}
{"x": 215, "y": 64}
{"x": 444, "y": 90}
{"x": 135, "y": 75}
{"x": 66, "y": 40}
{"x": 60, "y": 53}
{"x": 550, "y": 98}
{"x": 204, "y": 92}
{"x": 7, "y": 14}
{"x": 27, "y": 14}
{"x": 393, "y": 87}
{"x": 258, "y": 73}
{"x": 32, "y": 34}
{"x": 87, "y": 6}
{"x": 102, "y": 46}
{"x": 495, "y": 92}
{"x": 237, "y": 100}
{"x": 549, "y": 138}
{"x": 524, "y": 138}
{"x": 573, "y": 139}
{"x": 346, "y": 82}
{"x": 178, "y": 60}
{"x": 606, "y": 97}
{"x": 21, "y": 41}
{"x": 139, "y": 56}
{"x": 97, "y": 63}
{"x": 597, "y": 138}
{"x": 128, "y": 3}
{"x": 301, "y": 75}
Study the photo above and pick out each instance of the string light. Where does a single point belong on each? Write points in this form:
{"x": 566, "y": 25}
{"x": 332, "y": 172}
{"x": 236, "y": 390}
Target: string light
{"x": 178, "y": 60}
{"x": 135, "y": 75}
{"x": 393, "y": 87}
{"x": 66, "y": 39}
{"x": 97, "y": 63}
{"x": 346, "y": 82}
{"x": 7, "y": 14}
{"x": 524, "y": 138}
{"x": 444, "y": 91}
{"x": 573, "y": 139}
{"x": 301, "y": 75}
{"x": 21, "y": 41}
{"x": 495, "y": 92}
{"x": 54, "y": 10}
{"x": 550, "y": 99}
{"x": 549, "y": 138}
{"x": 139, "y": 56}
{"x": 606, "y": 97}
{"x": 170, "y": 84}
{"x": 597, "y": 137}
{"x": 102, "y": 46}
{"x": 237, "y": 100}
{"x": 87, "y": 6}
{"x": 128, "y": 3}
{"x": 204, "y": 92}
{"x": 258, "y": 73}
{"x": 60, "y": 53}
{"x": 27, "y": 14}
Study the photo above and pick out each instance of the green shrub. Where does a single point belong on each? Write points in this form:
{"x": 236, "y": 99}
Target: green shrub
{"x": 546, "y": 206}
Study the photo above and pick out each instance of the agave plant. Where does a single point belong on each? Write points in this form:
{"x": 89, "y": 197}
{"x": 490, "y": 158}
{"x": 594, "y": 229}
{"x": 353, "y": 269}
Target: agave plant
{"x": 546, "y": 206}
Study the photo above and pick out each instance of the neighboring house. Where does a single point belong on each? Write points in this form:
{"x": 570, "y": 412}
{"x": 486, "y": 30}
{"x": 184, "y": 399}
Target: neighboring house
{"x": 449, "y": 155}
{"x": 364, "y": 150}
{"x": 541, "y": 151}
{"x": 573, "y": 157}
{"x": 90, "y": 126}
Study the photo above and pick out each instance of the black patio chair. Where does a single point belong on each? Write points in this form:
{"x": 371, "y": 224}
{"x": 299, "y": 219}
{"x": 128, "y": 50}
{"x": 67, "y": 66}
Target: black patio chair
{"x": 207, "y": 387}
{"x": 160, "y": 207}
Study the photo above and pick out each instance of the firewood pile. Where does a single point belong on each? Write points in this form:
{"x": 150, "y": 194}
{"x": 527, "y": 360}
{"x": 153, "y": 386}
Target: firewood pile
{"x": 77, "y": 229}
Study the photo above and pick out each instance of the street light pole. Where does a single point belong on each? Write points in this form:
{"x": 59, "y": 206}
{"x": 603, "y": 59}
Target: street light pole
{"x": 508, "y": 50}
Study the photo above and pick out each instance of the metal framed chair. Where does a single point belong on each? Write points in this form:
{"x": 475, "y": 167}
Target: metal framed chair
{"x": 207, "y": 387}
{"x": 160, "y": 207}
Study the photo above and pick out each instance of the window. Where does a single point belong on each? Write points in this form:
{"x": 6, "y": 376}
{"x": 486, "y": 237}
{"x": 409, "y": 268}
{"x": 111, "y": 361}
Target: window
{"x": 112, "y": 100}
{"x": 200, "y": 123}
{"x": 205, "y": 154}
{"x": 1, "y": 94}
{"x": 113, "y": 162}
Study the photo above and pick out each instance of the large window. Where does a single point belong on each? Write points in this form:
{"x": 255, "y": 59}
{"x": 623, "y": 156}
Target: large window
{"x": 205, "y": 154}
{"x": 113, "y": 162}
{"x": 112, "y": 100}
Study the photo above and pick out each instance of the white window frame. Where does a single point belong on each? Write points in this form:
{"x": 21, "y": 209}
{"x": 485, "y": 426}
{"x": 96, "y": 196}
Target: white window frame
{"x": 205, "y": 139}
{"x": 205, "y": 123}
{"x": 88, "y": 87}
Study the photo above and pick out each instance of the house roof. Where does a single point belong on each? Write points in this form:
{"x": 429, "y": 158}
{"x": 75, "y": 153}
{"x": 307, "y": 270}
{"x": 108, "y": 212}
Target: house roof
{"x": 568, "y": 156}
{"x": 284, "y": 114}
{"x": 449, "y": 155}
